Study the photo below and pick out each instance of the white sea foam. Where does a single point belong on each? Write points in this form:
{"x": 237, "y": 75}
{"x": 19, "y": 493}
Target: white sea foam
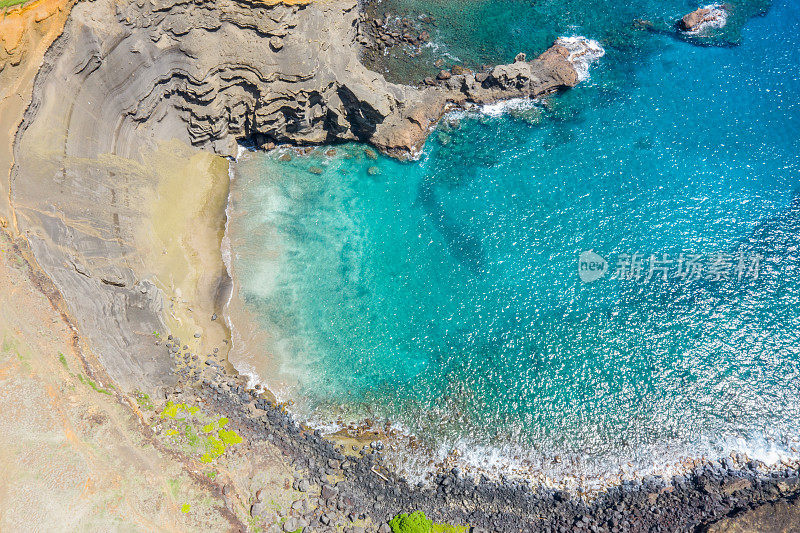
{"x": 226, "y": 251}
{"x": 586, "y": 474}
{"x": 495, "y": 109}
{"x": 718, "y": 18}
{"x": 226, "y": 240}
{"x": 240, "y": 150}
{"x": 439, "y": 49}
{"x": 582, "y": 53}
{"x": 249, "y": 371}
{"x": 503, "y": 107}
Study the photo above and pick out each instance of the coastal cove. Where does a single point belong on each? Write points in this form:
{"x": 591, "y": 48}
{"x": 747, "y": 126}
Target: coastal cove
{"x": 442, "y": 295}
{"x": 309, "y": 266}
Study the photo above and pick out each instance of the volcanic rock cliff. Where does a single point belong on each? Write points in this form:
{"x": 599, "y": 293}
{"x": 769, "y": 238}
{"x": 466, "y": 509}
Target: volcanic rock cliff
{"x": 232, "y": 69}
{"x": 127, "y": 76}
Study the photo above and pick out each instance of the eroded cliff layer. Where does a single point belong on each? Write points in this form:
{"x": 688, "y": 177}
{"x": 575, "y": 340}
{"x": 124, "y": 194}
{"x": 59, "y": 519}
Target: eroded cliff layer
{"x": 26, "y": 32}
{"x": 125, "y": 77}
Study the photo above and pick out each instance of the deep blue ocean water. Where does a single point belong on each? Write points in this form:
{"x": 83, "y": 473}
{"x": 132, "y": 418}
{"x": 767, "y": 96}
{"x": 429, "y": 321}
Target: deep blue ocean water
{"x": 444, "y": 293}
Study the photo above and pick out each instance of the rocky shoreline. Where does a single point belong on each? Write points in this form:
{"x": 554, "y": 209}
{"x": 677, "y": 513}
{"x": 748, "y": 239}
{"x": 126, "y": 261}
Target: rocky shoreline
{"x": 353, "y": 486}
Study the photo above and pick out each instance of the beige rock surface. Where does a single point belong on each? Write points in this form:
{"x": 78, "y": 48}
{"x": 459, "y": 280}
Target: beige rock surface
{"x": 779, "y": 517}
{"x": 73, "y": 454}
{"x": 704, "y": 17}
{"x": 26, "y": 32}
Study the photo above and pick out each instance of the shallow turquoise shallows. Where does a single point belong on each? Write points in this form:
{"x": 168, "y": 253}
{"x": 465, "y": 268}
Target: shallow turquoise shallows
{"x": 444, "y": 293}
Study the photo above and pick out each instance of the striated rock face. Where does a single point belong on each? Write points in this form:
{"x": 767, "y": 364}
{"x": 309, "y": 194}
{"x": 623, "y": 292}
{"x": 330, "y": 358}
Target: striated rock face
{"x": 715, "y": 16}
{"x": 26, "y": 32}
{"x": 234, "y": 69}
{"x": 128, "y": 75}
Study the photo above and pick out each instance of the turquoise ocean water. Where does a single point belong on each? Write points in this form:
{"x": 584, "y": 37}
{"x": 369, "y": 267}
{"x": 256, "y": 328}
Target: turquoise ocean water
{"x": 444, "y": 294}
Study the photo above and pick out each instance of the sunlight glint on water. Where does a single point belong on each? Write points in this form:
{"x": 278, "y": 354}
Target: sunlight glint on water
{"x": 443, "y": 294}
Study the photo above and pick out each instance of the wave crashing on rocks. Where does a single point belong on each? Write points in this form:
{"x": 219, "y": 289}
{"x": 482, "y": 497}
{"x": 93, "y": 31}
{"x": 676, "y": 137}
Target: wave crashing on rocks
{"x": 582, "y": 53}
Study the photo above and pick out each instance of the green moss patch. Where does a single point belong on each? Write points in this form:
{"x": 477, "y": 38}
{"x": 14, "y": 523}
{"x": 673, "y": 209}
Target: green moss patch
{"x": 417, "y": 522}
{"x": 229, "y": 437}
{"x": 93, "y": 385}
{"x": 143, "y": 400}
{"x": 198, "y": 432}
{"x": 171, "y": 410}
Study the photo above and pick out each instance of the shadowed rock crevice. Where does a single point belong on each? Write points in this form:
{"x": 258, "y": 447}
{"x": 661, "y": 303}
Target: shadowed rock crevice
{"x": 362, "y": 117}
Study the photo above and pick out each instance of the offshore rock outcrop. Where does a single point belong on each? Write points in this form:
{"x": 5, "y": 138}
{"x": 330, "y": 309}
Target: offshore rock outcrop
{"x": 713, "y": 16}
{"x": 710, "y": 25}
{"x": 126, "y": 76}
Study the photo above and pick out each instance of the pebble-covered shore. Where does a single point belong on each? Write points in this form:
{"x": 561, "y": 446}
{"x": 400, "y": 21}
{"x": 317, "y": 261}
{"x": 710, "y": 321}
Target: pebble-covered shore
{"x": 354, "y": 485}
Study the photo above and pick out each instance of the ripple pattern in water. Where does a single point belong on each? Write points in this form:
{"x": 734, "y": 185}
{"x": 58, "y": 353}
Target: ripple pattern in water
{"x": 444, "y": 293}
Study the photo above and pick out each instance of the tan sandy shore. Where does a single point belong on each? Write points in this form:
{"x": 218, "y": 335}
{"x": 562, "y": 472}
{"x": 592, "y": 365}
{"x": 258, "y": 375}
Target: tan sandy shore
{"x": 181, "y": 239}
